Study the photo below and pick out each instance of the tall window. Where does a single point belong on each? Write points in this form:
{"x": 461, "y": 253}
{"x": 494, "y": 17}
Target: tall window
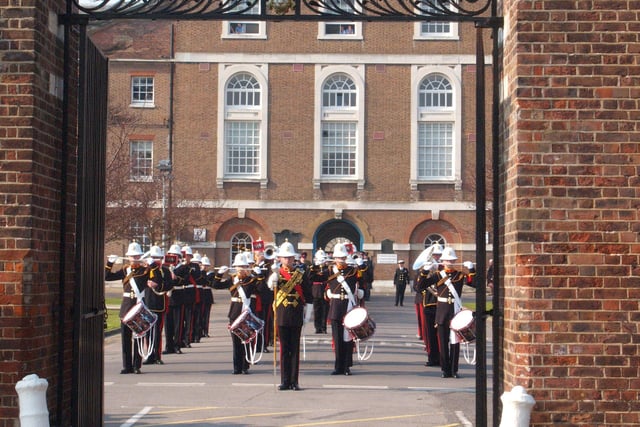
{"x": 140, "y": 234}
{"x": 340, "y": 144}
{"x": 436, "y": 124}
{"x": 141, "y": 156}
{"x": 242, "y": 156}
{"x": 240, "y": 242}
{"x": 142, "y": 91}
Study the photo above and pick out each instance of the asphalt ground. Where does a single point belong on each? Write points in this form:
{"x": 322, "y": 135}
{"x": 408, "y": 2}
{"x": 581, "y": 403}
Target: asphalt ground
{"x": 391, "y": 388}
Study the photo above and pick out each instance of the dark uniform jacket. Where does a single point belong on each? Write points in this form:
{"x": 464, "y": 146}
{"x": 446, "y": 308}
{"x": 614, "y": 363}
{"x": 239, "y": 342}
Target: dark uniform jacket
{"x": 156, "y": 298}
{"x": 190, "y": 276}
{"x": 425, "y": 295}
{"x": 339, "y": 303}
{"x": 445, "y": 304}
{"x": 139, "y": 274}
{"x": 317, "y": 276}
{"x": 250, "y": 285}
{"x": 401, "y": 276}
{"x": 289, "y": 306}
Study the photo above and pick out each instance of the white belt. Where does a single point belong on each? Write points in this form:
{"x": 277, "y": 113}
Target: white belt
{"x": 189, "y": 286}
{"x": 338, "y": 296}
{"x": 128, "y": 295}
{"x": 178, "y": 287}
{"x": 236, "y": 299}
{"x": 447, "y": 300}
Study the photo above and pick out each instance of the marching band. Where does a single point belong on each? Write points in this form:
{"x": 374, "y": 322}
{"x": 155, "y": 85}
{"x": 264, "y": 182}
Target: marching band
{"x": 273, "y": 292}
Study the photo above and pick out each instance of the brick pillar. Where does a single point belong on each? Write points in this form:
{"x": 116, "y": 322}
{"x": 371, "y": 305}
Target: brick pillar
{"x": 31, "y": 70}
{"x": 572, "y": 288}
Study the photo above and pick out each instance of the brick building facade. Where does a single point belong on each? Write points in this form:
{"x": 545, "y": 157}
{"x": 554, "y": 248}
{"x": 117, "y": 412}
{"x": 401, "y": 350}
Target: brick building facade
{"x": 569, "y": 270}
{"x": 407, "y": 89}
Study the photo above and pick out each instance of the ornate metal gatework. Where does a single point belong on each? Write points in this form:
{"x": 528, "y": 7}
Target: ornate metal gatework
{"x": 312, "y": 10}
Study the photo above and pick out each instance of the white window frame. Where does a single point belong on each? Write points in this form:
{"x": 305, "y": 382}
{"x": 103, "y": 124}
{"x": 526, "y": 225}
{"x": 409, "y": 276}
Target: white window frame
{"x": 149, "y": 146}
{"x": 452, "y": 34}
{"x": 256, "y": 113}
{"x": 140, "y": 234}
{"x": 356, "y": 34}
{"x": 135, "y": 103}
{"x": 227, "y": 27}
{"x": 357, "y": 75}
{"x": 451, "y": 115}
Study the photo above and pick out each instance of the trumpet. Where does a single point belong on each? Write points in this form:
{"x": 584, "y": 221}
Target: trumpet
{"x": 270, "y": 252}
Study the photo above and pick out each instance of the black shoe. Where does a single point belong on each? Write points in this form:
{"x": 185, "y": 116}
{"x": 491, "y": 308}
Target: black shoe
{"x": 169, "y": 352}
{"x": 149, "y": 362}
{"x": 348, "y": 372}
{"x": 137, "y": 371}
{"x": 265, "y": 350}
{"x": 446, "y": 375}
{"x": 284, "y": 387}
{"x": 432, "y": 364}
{"x": 295, "y": 387}
{"x": 159, "y": 362}
{"x": 127, "y": 371}
{"x": 236, "y": 372}
{"x": 337, "y": 373}
{"x": 455, "y": 375}
{"x": 245, "y": 372}
{"x": 396, "y": 305}
{"x": 178, "y": 351}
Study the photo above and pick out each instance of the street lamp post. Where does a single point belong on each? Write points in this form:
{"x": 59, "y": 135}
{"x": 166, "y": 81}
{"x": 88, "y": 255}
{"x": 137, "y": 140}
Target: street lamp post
{"x": 165, "y": 168}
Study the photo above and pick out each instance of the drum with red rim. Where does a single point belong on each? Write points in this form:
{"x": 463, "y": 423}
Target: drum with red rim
{"x": 140, "y": 319}
{"x": 246, "y": 326}
{"x": 359, "y": 325}
{"x": 464, "y": 325}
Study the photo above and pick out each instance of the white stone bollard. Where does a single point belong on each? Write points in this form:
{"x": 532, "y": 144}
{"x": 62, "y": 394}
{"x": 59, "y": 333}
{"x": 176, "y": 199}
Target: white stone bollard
{"x": 32, "y": 394}
{"x": 516, "y": 408}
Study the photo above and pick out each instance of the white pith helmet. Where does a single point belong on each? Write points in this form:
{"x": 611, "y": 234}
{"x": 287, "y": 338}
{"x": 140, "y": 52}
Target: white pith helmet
{"x": 134, "y": 249}
{"x": 286, "y": 250}
{"x": 340, "y": 251}
{"x": 197, "y": 258}
{"x": 240, "y": 260}
{"x": 156, "y": 252}
{"x": 320, "y": 256}
{"x": 249, "y": 257}
{"x": 186, "y": 250}
{"x": 448, "y": 254}
{"x": 205, "y": 261}
{"x": 437, "y": 249}
{"x": 175, "y": 250}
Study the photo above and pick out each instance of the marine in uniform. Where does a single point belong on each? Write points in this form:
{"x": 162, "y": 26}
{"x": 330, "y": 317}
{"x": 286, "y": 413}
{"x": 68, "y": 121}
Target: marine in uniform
{"x": 188, "y": 274}
{"x": 134, "y": 276}
{"x": 318, "y": 274}
{"x": 291, "y": 289}
{"x": 341, "y": 292}
{"x": 448, "y": 284}
{"x": 157, "y": 300}
{"x": 206, "y": 296}
{"x": 241, "y": 286}
{"x": 264, "y": 258}
{"x": 173, "y": 321}
{"x": 428, "y": 304}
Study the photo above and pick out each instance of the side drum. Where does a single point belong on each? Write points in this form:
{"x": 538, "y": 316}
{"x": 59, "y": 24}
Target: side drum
{"x": 140, "y": 319}
{"x": 464, "y": 325}
{"x": 246, "y": 326}
{"x": 359, "y": 324}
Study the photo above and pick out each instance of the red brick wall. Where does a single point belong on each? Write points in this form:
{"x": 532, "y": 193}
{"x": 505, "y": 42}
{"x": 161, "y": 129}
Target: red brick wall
{"x": 30, "y": 182}
{"x": 571, "y": 214}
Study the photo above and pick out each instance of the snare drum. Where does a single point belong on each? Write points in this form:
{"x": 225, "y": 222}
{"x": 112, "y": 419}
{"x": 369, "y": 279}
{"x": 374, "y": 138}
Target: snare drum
{"x": 140, "y": 319}
{"x": 464, "y": 325}
{"x": 359, "y": 325}
{"x": 246, "y": 326}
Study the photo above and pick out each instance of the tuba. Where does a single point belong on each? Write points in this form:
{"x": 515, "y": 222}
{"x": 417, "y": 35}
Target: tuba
{"x": 270, "y": 252}
{"x": 423, "y": 258}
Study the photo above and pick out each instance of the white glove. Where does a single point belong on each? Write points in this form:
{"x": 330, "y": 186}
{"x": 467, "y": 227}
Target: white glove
{"x": 359, "y": 262}
{"x": 257, "y": 270}
{"x": 430, "y": 266}
{"x": 148, "y": 261}
{"x": 360, "y": 293}
{"x": 275, "y": 267}
{"x": 112, "y": 258}
{"x": 469, "y": 265}
{"x": 223, "y": 270}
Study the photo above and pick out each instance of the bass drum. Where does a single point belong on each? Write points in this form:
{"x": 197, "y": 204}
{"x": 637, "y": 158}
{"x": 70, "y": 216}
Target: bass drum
{"x": 140, "y": 319}
{"x": 463, "y": 325}
{"x": 359, "y": 325}
{"x": 246, "y": 326}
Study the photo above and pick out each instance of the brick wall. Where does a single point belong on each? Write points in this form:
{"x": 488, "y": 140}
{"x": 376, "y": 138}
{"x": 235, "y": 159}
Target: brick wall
{"x": 571, "y": 210}
{"x": 30, "y": 182}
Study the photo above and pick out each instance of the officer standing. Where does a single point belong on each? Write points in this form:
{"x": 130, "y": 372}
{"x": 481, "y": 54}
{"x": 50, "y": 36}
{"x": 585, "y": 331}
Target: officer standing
{"x": 400, "y": 281}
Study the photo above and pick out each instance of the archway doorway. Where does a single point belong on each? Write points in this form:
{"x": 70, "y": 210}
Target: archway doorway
{"x": 336, "y": 231}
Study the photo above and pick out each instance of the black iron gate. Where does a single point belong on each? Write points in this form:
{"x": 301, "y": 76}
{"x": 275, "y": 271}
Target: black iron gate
{"x": 90, "y": 295}
{"x": 89, "y": 305}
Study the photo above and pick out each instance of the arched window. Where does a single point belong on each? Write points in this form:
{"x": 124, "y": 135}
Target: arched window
{"x": 436, "y": 126}
{"x": 434, "y": 238}
{"x": 339, "y": 149}
{"x": 240, "y": 242}
{"x": 242, "y": 155}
